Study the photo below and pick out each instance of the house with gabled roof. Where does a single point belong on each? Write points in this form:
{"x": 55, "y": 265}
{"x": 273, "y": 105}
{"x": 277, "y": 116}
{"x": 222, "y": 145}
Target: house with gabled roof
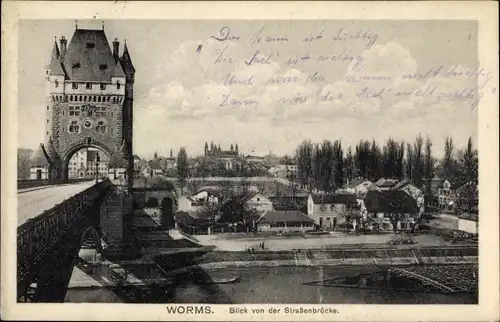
{"x": 327, "y": 209}
{"x": 284, "y": 221}
{"x": 358, "y": 186}
{"x": 380, "y": 205}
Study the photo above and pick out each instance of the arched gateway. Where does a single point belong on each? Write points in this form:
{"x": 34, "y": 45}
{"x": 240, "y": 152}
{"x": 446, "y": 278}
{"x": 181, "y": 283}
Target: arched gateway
{"x": 89, "y": 104}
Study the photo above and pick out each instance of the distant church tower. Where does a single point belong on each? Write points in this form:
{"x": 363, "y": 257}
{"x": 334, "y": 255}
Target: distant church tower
{"x": 89, "y": 101}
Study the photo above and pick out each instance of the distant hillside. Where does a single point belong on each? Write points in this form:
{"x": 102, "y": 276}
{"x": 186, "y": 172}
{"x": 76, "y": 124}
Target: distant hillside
{"x": 23, "y": 163}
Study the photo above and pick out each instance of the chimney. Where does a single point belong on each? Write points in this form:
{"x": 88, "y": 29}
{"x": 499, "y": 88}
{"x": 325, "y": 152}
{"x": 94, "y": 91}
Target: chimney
{"x": 63, "y": 42}
{"x": 116, "y": 46}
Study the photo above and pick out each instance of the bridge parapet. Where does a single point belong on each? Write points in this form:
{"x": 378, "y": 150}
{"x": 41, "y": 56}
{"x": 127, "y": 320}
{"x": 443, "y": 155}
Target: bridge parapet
{"x": 41, "y": 234}
{"x": 23, "y": 184}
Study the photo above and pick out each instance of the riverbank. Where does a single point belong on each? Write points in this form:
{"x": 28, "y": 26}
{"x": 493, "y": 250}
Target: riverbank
{"x": 185, "y": 262}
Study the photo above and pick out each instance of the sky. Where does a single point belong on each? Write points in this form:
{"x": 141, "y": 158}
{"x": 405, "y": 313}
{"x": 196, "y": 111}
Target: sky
{"x": 269, "y": 85}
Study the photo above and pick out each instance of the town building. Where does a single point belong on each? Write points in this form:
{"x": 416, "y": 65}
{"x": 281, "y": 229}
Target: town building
{"x": 209, "y": 195}
{"x": 39, "y": 165}
{"x": 358, "y": 186}
{"x": 84, "y": 162}
{"x": 327, "y": 209}
{"x": 381, "y": 205}
{"x": 284, "y": 221}
{"x": 285, "y": 171}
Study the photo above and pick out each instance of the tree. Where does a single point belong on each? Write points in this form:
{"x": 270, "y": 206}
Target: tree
{"x": 304, "y": 155}
{"x": 428, "y": 165}
{"x": 400, "y": 160}
{"x": 193, "y": 185}
{"x": 418, "y": 161}
{"x": 326, "y": 171}
{"x": 376, "y": 162}
{"x": 211, "y": 213}
{"x": 448, "y": 162}
{"x": 226, "y": 189}
{"x": 338, "y": 168}
{"x": 182, "y": 168}
{"x": 390, "y": 159}
{"x": 155, "y": 156}
{"x": 467, "y": 195}
{"x": 349, "y": 165}
{"x": 410, "y": 161}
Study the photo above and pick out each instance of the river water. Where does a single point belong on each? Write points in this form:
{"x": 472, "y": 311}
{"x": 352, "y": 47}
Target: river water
{"x": 285, "y": 285}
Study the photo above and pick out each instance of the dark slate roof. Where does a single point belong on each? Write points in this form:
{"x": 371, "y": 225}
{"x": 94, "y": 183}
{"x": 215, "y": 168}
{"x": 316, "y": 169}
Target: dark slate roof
{"x": 389, "y": 201}
{"x": 284, "y": 216}
{"x": 55, "y": 63}
{"x": 401, "y": 184}
{"x": 189, "y": 219}
{"x": 40, "y": 157}
{"x": 386, "y": 183}
{"x": 355, "y": 183}
{"x": 338, "y": 198}
{"x": 89, "y": 49}
{"x": 126, "y": 61}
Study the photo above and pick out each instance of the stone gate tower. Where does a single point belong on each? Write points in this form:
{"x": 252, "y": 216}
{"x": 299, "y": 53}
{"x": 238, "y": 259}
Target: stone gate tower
{"x": 89, "y": 101}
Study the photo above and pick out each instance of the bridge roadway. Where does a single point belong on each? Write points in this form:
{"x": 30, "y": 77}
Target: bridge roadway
{"x": 31, "y": 202}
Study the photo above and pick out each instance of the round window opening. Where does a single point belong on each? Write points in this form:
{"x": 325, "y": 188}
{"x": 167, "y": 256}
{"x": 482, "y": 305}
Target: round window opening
{"x": 87, "y": 124}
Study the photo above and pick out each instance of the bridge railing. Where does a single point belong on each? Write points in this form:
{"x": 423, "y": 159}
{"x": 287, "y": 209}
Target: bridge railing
{"x": 23, "y": 184}
{"x": 39, "y": 234}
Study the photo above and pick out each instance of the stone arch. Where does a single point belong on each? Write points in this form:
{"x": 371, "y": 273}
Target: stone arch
{"x": 80, "y": 144}
{"x": 95, "y": 236}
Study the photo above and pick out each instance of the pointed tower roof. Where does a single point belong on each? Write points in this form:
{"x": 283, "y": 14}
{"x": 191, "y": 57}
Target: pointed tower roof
{"x": 52, "y": 153}
{"x": 55, "y": 63}
{"x": 89, "y": 56}
{"x": 118, "y": 159}
{"x": 126, "y": 61}
{"x": 40, "y": 157}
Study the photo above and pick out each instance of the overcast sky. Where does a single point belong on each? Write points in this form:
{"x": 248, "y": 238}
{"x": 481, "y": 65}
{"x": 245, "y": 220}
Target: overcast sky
{"x": 181, "y": 88}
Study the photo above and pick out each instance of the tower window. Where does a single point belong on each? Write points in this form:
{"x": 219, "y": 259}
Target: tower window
{"x": 90, "y": 45}
{"x": 47, "y": 120}
{"x": 118, "y": 85}
{"x": 56, "y": 83}
{"x": 88, "y": 85}
{"x": 103, "y": 86}
{"x": 103, "y": 66}
{"x": 75, "y": 85}
{"x": 100, "y": 128}
{"x": 74, "y": 127}
{"x": 47, "y": 107}
{"x": 95, "y": 99}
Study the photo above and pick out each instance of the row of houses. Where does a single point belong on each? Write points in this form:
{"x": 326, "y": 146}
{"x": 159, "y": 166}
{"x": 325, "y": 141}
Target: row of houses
{"x": 320, "y": 211}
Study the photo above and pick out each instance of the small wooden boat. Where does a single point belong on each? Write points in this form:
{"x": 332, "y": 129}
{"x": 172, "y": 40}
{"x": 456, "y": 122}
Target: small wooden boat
{"x": 220, "y": 280}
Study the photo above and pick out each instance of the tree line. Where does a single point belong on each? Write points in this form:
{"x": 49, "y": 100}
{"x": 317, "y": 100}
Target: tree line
{"x": 326, "y": 166}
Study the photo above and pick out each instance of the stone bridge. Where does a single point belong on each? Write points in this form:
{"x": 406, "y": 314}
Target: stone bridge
{"x": 48, "y": 243}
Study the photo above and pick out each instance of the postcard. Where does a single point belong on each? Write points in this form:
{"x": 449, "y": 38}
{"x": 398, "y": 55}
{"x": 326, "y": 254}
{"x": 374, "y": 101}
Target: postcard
{"x": 250, "y": 161}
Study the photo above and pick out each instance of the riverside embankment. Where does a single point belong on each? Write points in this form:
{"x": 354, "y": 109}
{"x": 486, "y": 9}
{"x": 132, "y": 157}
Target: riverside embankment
{"x": 173, "y": 264}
